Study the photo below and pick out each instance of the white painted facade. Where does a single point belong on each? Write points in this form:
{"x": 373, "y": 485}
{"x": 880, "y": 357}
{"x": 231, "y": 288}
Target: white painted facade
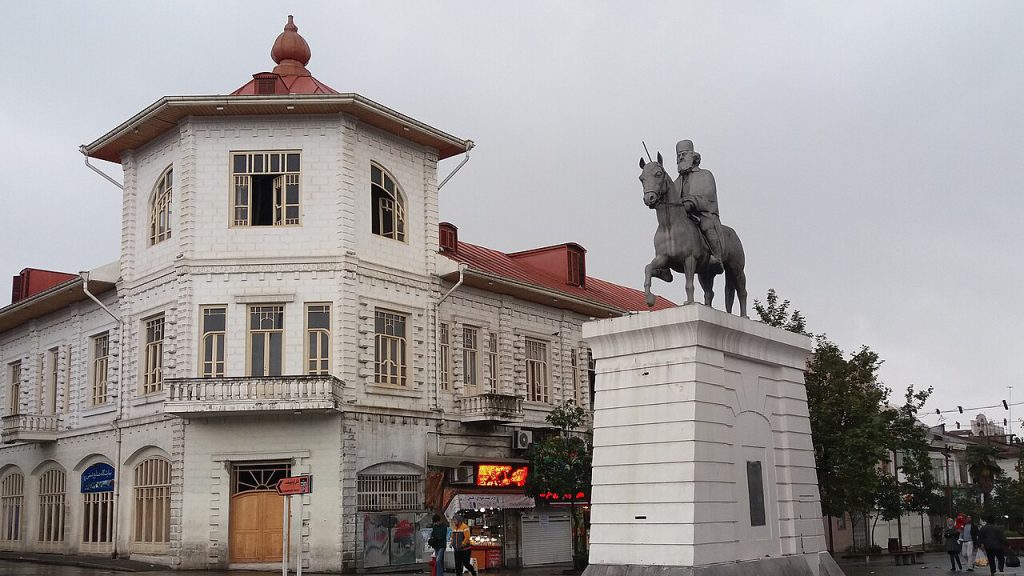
{"x": 334, "y": 426}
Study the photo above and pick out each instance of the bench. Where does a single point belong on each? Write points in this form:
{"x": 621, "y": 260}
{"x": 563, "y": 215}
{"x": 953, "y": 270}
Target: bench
{"x": 907, "y": 557}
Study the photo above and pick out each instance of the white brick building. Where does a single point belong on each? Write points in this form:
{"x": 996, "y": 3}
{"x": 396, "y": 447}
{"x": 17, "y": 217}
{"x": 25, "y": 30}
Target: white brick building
{"x": 281, "y": 306}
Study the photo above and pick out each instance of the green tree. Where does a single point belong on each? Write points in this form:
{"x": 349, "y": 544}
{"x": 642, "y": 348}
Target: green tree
{"x": 561, "y": 464}
{"x": 983, "y": 467}
{"x": 778, "y": 315}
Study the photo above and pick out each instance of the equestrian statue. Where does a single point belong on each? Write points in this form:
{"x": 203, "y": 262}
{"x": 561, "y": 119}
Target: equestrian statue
{"x": 690, "y": 238}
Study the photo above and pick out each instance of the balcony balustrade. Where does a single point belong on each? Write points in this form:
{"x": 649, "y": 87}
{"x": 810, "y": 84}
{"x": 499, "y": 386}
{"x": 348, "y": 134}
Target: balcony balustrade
{"x": 492, "y": 407}
{"x": 30, "y": 428}
{"x": 197, "y": 397}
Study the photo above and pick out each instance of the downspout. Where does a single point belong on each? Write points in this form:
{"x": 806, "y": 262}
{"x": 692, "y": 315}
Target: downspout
{"x": 469, "y": 146}
{"x": 117, "y": 415}
{"x": 437, "y": 330}
{"x": 104, "y": 174}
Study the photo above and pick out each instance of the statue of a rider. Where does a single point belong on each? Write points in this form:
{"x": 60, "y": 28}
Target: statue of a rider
{"x": 699, "y": 196}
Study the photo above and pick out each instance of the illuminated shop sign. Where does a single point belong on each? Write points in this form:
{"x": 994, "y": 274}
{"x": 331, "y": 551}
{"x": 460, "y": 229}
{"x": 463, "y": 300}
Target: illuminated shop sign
{"x": 550, "y": 496}
{"x": 501, "y": 475}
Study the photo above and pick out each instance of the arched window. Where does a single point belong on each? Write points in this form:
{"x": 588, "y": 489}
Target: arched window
{"x": 51, "y": 506}
{"x": 12, "y": 503}
{"x": 387, "y": 205}
{"x": 152, "y": 501}
{"x": 160, "y": 209}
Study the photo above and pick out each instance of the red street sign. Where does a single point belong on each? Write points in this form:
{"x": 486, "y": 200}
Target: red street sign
{"x": 295, "y": 485}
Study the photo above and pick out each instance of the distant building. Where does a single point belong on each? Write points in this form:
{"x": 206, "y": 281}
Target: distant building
{"x": 285, "y": 302}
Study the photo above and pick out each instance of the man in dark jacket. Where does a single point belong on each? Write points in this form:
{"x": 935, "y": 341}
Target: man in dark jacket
{"x": 992, "y": 539}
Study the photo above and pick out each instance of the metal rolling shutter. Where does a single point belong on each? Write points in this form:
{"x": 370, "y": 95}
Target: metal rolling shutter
{"x": 547, "y": 538}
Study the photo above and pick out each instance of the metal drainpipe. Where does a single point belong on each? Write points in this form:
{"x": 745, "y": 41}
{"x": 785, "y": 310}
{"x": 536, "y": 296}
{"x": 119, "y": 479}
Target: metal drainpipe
{"x": 437, "y": 330}
{"x": 117, "y": 415}
{"x": 98, "y": 171}
{"x": 469, "y": 146}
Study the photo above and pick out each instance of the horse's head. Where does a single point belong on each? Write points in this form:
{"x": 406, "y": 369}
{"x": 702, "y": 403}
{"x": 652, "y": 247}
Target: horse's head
{"x": 656, "y": 182}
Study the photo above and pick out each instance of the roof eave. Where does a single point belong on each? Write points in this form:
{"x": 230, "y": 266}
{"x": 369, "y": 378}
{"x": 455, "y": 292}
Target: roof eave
{"x": 48, "y": 301}
{"x": 488, "y": 281}
{"x": 446, "y": 144}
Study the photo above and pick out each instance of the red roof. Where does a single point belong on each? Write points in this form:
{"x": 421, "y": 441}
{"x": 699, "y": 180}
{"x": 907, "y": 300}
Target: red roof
{"x": 290, "y": 76}
{"x": 598, "y": 291}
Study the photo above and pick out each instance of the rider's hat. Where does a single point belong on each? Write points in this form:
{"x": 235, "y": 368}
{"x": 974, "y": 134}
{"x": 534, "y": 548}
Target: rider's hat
{"x": 684, "y": 146}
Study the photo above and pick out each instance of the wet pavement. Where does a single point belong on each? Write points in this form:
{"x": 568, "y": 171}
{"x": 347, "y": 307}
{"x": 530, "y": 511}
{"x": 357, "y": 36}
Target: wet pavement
{"x": 933, "y": 565}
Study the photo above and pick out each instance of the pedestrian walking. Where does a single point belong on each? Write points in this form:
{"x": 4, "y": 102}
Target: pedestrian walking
{"x": 952, "y": 545}
{"x": 992, "y": 539}
{"x": 461, "y": 543}
{"x": 968, "y": 534}
{"x": 438, "y": 540}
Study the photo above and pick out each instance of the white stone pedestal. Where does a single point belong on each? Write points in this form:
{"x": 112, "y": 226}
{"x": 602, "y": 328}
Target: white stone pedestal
{"x": 694, "y": 408}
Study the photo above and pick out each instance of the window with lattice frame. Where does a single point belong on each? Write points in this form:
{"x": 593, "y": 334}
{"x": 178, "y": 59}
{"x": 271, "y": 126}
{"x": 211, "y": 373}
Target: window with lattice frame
{"x": 387, "y": 204}
{"x": 389, "y": 492}
{"x": 51, "y": 512}
{"x": 390, "y": 348}
{"x": 12, "y": 507}
{"x": 152, "y": 502}
{"x": 160, "y": 208}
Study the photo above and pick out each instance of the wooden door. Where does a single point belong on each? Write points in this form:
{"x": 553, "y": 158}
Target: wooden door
{"x": 255, "y": 527}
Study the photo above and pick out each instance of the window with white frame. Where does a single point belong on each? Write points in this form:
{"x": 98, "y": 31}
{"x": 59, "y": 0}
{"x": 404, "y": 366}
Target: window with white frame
{"x": 153, "y": 356}
{"x": 390, "y": 348}
{"x": 492, "y": 362}
{"x": 537, "y": 371}
{"x": 100, "y": 368}
{"x": 446, "y": 355}
{"x": 574, "y": 362}
{"x": 266, "y": 340}
{"x": 382, "y": 492}
{"x": 387, "y": 204}
{"x": 12, "y": 506}
{"x": 318, "y": 339}
{"x": 52, "y": 374}
{"x": 214, "y": 326}
{"x": 470, "y": 359}
{"x": 14, "y": 388}
{"x": 66, "y": 406}
{"x": 160, "y": 208}
{"x": 265, "y": 188}
{"x": 152, "y": 502}
{"x": 51, "y": 506}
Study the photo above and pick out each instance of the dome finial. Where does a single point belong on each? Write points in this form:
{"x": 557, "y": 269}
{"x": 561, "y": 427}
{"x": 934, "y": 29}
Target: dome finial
{"x": 290, "y": 51}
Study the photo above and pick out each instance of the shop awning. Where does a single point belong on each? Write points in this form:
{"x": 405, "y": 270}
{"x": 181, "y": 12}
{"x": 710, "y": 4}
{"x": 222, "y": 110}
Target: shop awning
{"x": 446, "y": 461}
{"x": 477, "y": 501}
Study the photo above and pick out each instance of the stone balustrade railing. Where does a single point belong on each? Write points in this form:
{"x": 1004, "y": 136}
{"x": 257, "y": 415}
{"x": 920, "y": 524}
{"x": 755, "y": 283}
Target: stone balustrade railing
{"x": 492, "y": 407}
{"x": 200, "y": 395}
{"x": 30, "y": 428}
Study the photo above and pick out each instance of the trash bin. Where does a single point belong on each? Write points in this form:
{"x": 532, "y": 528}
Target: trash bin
{"x": 894, "y": 545}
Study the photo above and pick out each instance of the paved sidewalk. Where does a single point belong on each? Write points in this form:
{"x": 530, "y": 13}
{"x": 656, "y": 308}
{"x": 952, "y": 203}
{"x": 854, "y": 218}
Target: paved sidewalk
{"x": 934, "y": 563}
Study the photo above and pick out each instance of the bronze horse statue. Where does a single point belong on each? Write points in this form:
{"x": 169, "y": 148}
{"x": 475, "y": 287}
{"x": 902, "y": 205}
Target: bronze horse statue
{"x": 680, "y": 246}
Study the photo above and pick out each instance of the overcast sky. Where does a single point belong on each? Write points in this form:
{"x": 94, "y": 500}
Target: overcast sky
{"x": 867, "y": 153}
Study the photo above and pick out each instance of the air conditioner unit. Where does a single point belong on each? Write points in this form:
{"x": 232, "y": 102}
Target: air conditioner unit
{"x": 522, "y": 439}
{"x": 463, "y": 475}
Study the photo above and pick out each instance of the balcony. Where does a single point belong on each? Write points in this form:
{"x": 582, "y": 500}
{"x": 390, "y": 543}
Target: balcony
{"x": 493, "y": 408}
{"x": 197, "y": 397}
{"x": 30, "y": 428}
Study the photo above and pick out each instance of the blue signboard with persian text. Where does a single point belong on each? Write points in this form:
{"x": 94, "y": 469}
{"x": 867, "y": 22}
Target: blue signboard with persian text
{"x": 98, "y": 478}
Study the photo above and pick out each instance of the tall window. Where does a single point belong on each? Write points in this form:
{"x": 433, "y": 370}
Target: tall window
{"x": 446, "y": 355}
{"x": 537, "y": 371}
{"x": 492, "y": 362}
{"x": 97, "y": 504}
{"x": 52, "y": 373}
{"x": 266, "y": 188}
{"x": 51, "y": 506}
{"x": 152, "y": 514}
{"x": 153, "y": 376}
{"x": 574, "y": 362}
{"x": 14, "y": 389}
{"x": 266, "y": 340}
{"x": 470, "y": 359}
{"x": 214, "y": 319}
{"x": 390, "y": 348}
{"x": 160, "y": 209}
{"x": 318, "y": 339}
{"x": 387, "y": 204}
{"x": 12, "y": 504}
{"x": 100, "y": 368}
{"x": 67, "y": 380}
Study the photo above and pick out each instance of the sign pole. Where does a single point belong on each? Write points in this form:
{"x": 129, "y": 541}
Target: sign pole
{"x": 298, "y": 536}
{"x": 284, "y": 535}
